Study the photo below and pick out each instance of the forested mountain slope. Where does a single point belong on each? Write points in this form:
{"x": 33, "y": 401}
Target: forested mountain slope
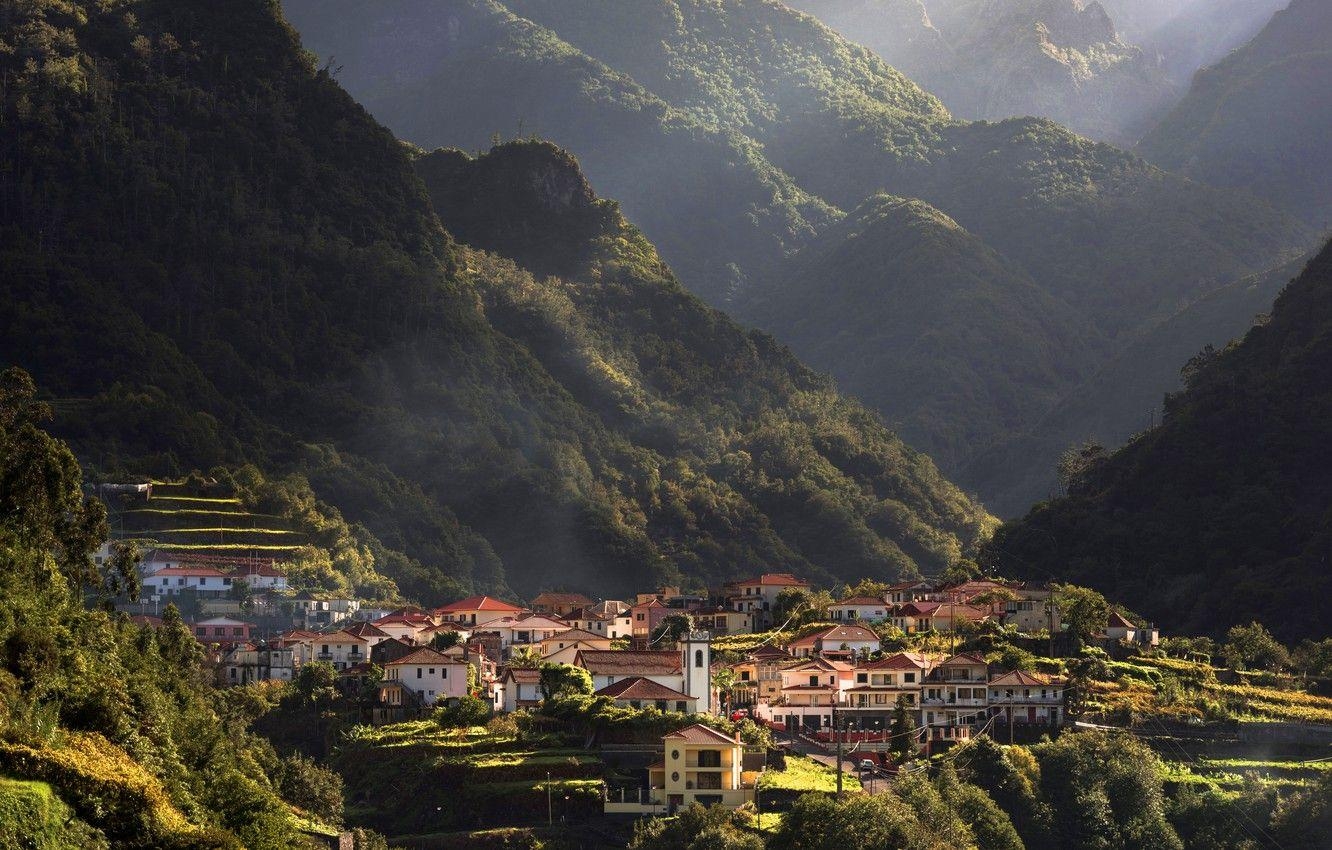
{"x": 214, "y": 266}
{"x": 947, "y": 327}
{"x": 1058, "y": 59}
{"x": 1120, "y": 244}
{"x": 1123, "y": 396}
{"x": 1220, "y": 515}
{"x": 1261, "y": 119}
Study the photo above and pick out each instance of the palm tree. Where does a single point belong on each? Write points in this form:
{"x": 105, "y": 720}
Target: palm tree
{"x": 723, "y": 679}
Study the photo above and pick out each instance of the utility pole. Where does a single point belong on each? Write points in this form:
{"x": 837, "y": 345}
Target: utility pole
{"x": 837, "y": 733}
{"x": 549, "y": 809}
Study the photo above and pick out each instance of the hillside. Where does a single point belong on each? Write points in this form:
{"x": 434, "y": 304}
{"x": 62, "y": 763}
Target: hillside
{"x": 1194, "y": 33}
{"x": 1057, "y": 59}
{"x": 932, "y": 297}
{"x": 1220, "y": 514}
{"x": 279, "y": 291}
{"x": 1120, "y": 244}
{"x": 1123, "y": 396}
{"x": 108, "y": 738}
{"x": 1260, "y": 119}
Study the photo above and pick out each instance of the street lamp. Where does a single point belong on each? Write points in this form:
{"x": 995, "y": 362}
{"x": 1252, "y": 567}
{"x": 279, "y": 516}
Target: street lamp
{"x": 550, "y": 819}
{"x": 758, "y": 801}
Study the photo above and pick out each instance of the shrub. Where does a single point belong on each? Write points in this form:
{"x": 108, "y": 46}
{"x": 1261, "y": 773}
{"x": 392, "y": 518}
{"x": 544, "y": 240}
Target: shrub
{"x": 467, "y": 711}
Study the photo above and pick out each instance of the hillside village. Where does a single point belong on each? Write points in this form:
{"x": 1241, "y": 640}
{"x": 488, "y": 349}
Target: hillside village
{"x": 848, "y": 675}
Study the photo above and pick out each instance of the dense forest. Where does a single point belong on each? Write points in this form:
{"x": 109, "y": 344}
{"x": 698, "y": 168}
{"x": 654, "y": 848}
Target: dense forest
{"x": 1220, "y": 514}
{"x": 216, "y": 257}
{"x": 760, "y": 127}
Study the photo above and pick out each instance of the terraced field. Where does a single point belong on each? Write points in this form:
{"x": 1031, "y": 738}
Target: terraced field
{"x": 176, "y": 520}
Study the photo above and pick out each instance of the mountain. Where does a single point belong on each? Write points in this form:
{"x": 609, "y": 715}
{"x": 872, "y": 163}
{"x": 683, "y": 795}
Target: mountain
{"x": 719, "y": 211}
{"x": 215, "y": 257}
{"x": 1195, "y": 34}
{"x": 933, "y": 297}
{"x": 1120, "y": 244}
{"x": 1260, "y": 119}
{"x": 1123, "y": 396}
{"x": 994, "y": 59}
{"x": 1221, "y": 514}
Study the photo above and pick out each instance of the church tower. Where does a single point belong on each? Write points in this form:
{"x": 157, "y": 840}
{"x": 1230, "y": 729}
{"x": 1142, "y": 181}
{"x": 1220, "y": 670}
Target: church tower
{"x": 696, "y": 664}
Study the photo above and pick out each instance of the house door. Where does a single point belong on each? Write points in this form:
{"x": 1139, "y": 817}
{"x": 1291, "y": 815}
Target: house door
{"x": 1031, "y": 714}
{"x": 674, "y": 801}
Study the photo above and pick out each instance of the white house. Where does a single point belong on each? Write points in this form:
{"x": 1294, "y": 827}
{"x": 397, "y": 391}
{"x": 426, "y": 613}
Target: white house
{"x": 172, "y": 581}
{"x": 854, "y": 608}
{"x": 1120, "y": 627}
{"x": 522, "y": 631}
{"x": 849, "y": 638}
{"x": 404, "y": 626}
{"x": 519, "y": 688}
{"x": 341, "y": 649}
{"x": 261, "y": 576}
{"x": 432, "y": 675}
{"x": 1026, "y": 698}
{"x": 759, "y": 594}
{"x": 476, "y": 610}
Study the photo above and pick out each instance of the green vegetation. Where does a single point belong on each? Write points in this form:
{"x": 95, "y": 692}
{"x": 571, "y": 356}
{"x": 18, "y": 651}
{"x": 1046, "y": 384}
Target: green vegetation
{"x": 33, "y": 817}
{"x": 1257, "y": 120}
{"x": 1212, "y": 519}
{"x": 724, "y": 128}
{"x": 491, "y": 426}
{"x": 988, "y": 59}
{"x": 112, "y": 717}
{"x": 805, "y": 774}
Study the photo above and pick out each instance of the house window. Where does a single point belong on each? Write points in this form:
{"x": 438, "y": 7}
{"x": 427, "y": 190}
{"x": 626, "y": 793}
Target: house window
{"x": 908, "y": 677}
{"x": 744, "y": 675}
{"x": 443, "y": 672}
{"x": 709, "y": 758}
{"x": 680, "y": 706}
{"x": 418, "y": 672}
{"x": 862, "y": 678}
{"x": 219, "y": 631}
{"x": 698, "y": 658}
{"x": 813, "y": 681}
{"x": 432, "y": 671}
{"x": 238, "y": 631}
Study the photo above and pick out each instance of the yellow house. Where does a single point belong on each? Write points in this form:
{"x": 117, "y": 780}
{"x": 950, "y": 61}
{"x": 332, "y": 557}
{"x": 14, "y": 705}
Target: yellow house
{"x": 699, "y": 765}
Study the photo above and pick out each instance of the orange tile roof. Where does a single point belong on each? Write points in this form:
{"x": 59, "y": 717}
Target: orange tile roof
{"x": 700, "y": 734}
{"x": 424, "y": 655}
{"x": 478, "y": 603}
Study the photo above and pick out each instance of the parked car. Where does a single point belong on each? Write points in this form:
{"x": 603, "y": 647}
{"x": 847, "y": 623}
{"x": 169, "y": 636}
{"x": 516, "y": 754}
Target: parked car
{"x": 866, "y": 766}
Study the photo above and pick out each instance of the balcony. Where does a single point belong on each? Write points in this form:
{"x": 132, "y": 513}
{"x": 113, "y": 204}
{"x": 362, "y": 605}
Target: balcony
{"x": 1034, "y": 699}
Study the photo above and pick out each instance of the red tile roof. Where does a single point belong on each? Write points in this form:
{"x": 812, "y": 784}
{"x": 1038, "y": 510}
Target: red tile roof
{"x": 523, "y": 675}
{"x": 700, "y": 734}
{"x": 860, "y": 600}
{"x": 896, "y": 661}
{"x": 189, "y": 571}
{"x": 640, "y": 688}
{"x": 477, "y": 603}
{"x": 366, "y": 630}
{"x": 1118, "y": 620}
{"x": 575, "y": 635}
{"x": 424, "y": 655}
{"x": 966, "y": 658}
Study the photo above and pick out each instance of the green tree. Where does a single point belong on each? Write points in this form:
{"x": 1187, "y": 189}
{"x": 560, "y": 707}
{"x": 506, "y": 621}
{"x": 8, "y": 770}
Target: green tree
{"x": 696, "y": 828}
{"x": 1252, "y": 647}
{"x": 673, "y": 628}
{"x": 723, "y": 679}
{"x": 525, "y": 658}
{"x": 313, "y": 787}
{"x": 904, "y": 743}
{"x": 1313, "y": 658}
{"x": 1084, "y": 611}
{"x": 445, "y": 640}
{"x": 819, "y": 822}
{"x": 463, "y": 712}
{"x": 963, "y": 569}
{"x": 559, "y": 680}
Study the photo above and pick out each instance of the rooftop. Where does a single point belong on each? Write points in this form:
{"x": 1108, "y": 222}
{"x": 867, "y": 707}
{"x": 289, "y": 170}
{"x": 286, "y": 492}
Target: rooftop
{"x": 628, "y": 661}
{"x": 640, "y": 688}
